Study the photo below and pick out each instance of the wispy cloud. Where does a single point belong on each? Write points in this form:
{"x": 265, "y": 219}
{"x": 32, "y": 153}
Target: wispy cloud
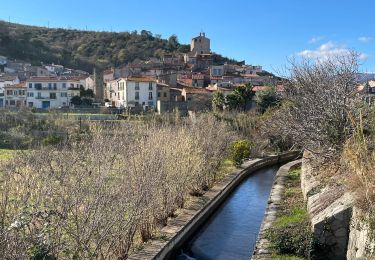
{"x": 364, "y": 39}
{"x": 316, "y": 39}
{"x": 327, "y": 50}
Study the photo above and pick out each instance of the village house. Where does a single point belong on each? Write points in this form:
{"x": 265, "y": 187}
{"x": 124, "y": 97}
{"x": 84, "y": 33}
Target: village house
{"x": 197, "y": 99}
{"x": 367, "y": 91}
{"x": 163, "y": 98}
{"x": 217, "y": 70}
{"x": 163, "y": 92}
{"x": 15, "y": 95}
{"x": 6, "y": 80}
{"x": 134, "y": 92}
{"x": 89, "y": 83}
{"x": 51, "y": 92}
{"x": 111, "y": 91}
{"x": 217, "y": 87}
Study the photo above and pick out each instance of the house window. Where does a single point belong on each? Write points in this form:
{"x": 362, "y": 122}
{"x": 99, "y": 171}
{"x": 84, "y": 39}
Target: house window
{"x": 9, "y": 92}
{"x": 136, "y": 103}
{"x": 52, "y": 95}
{"x": 54, "y": 86}
{"x": 39, "y": 95}
{"x": 137, "y": 86}
{"x": 31, "y": 104}
{"x": 150, "y": 103}
{"x": 64, "y": 85}
{"x": 158, "y": 94}
{"x": 49, "y": 85}
{"x": 64, "y": 94}
{"x": 136, "y": 95}
{"x": 30, "y": 94}
{"x": 165, "y": 94}
{"x": 150, "y": 86}
{"x": 12, "y": 102}
{"x": 30, "y": 85}
{"x": 38, "y": 86}
{"x": 150, "y": 95}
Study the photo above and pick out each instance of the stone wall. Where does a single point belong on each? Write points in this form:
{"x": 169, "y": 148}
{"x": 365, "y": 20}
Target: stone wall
{"x": 330, "y": 208}
{"x": 340, "y": 230}
{"x": 360, "y": 241}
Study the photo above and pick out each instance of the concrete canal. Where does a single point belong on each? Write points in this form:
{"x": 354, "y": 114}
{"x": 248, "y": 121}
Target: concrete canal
{"x": 231, "y": 232}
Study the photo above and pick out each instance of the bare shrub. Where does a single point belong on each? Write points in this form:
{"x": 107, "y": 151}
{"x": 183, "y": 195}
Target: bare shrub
{"x": 97, "y": 196}
{"x": 319, "y": 104}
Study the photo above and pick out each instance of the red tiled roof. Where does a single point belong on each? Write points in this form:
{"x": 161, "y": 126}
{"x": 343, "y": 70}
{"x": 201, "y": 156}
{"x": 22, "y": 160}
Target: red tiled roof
{"x": 55, "y": 78}
{"x": 197, "y": 76}
{"x": 250, "y": 75}
{"x": 141, "y": 79}
{"x": 189, "y": 90}
{"x": 20, "y": 85}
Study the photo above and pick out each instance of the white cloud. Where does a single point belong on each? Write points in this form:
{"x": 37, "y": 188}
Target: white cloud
{"x": 326, "y": 50}
{"x": 316, "y": 39}
{"x": 364, "y": 39}
{"x": 363, "y": 56}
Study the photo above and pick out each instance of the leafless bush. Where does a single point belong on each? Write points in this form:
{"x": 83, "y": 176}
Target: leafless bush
{"x": 319, "y": 105}
{"x": 358, "y": 158}
{"x": 95, "y": 197}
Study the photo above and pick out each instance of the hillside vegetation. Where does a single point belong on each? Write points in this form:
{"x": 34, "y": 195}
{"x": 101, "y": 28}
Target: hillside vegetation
{"x": 82, "y": 49}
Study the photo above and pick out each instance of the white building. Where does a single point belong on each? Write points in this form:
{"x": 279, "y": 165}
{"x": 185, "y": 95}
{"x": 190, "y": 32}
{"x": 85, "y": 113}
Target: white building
{"x": 15, "y": 95}
{"x": 51, "y": 92}
{"x": 6, "y": 80}
{"x": 134, "y": 92}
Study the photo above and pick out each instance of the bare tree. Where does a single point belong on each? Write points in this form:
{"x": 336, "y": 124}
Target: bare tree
{"x": 319, "y": 104}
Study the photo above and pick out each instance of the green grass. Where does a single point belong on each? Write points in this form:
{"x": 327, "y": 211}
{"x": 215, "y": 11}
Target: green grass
{"x": 290, "y": 234}
{"x": 226, "y": 167}
{"x": 294, "y": 175}
{"x": 6, "y": 154}
{"x": 295, "y": 216}
{"x": 285, "y": 257}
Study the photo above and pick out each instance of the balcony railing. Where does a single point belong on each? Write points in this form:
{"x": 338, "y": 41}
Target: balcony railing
{"x": 45, "y": 88}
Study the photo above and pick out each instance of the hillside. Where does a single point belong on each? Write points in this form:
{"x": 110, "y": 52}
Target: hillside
{"x": 82, "y": 49}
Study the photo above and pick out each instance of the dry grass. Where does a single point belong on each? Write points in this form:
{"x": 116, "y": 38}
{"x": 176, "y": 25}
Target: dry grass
{"x": 108, "y": 191}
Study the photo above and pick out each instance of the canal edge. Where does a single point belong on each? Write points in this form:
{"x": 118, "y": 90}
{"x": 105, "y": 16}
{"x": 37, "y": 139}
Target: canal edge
{"x": 261, "y": 249}
{"x": 181, "y": 228}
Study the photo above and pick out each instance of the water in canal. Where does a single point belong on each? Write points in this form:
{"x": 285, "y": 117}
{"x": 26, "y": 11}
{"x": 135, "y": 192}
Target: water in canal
{"x": 232, "y": 231}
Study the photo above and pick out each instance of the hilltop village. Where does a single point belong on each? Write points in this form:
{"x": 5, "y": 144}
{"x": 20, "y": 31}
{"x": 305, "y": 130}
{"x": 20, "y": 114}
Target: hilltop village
{"x": 176, "y": 81}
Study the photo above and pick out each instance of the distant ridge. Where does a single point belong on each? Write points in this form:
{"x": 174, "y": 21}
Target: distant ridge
{"x": 362, "y": 77}
{"x": 82, "y": 49}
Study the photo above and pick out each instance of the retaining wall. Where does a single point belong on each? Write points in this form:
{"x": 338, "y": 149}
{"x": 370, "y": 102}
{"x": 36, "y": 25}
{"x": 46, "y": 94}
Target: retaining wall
{"x": 180, "y": 229}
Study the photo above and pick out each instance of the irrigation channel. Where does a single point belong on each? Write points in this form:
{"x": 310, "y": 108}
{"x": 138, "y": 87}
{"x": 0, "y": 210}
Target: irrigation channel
{"x": 231, "y": 232}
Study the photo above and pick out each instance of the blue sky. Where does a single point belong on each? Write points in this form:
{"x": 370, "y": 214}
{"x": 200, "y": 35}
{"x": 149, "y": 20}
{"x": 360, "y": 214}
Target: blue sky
{"x": 260, "y": 32}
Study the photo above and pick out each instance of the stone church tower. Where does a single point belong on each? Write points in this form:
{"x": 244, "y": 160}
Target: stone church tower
{"x": 200, "y": 45}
